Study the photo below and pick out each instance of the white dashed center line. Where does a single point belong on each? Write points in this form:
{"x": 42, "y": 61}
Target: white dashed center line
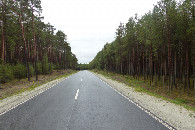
{"x": 76, "y": 95}
{"x": 81, "y": 79}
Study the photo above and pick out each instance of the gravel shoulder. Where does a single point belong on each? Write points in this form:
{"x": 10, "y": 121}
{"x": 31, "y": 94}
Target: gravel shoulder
{"x": 175, "y": 115}
{"x": 13, "y": 101}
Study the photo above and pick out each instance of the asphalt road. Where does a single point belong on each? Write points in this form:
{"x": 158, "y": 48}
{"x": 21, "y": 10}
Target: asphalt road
{"x": 81, "y": 102}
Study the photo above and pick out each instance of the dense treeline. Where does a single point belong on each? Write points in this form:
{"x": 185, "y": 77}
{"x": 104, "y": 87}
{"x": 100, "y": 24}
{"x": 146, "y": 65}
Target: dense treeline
{"x": 82, "y": 67}
{"x": 158, "y": 47}
{"x": 28, "y": 46}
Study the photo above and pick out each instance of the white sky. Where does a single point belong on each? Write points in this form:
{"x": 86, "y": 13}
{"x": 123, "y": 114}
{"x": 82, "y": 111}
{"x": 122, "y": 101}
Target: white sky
{"x": 89, "y": 24}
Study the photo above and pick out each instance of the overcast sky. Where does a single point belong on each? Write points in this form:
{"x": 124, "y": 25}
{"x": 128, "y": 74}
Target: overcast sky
{"x": 89, "y": 24}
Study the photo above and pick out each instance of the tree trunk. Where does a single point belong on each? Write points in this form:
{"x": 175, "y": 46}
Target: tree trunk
{"x": 129, "y": 65}
{"x": 194, "y": 65}
{"x": 146, "y": 66}
{"x": 151, "y": 65}
{"x": 165, "y": 73}
{"x": 2, "y": 36}
{"x": 26, "y": 60}
{"x": 24, "y": 40}
{"x": 194, "y": 70}
{"x": 181, "y": 75}
{"x": 175, "y": 71}
{"x": 187, "y": 68}
{"x": 64, "y": 58}
{"x": 169, "y": 59}
{"x": 143, "y": 63}
{"x": 121, "y": 68}
{"x": 35, "y": 46}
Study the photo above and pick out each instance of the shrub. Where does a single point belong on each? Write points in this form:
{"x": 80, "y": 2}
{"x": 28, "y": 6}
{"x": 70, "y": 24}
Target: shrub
{"x": 31, "y": 70}
{"x": 6, "y": 73}
{"x": 19, "y": 71}
{"x": 39, "y": 68}
{"x": 56, "y": 66}
{"x": 45, "y": 65}
{"x": 52, "y": 68}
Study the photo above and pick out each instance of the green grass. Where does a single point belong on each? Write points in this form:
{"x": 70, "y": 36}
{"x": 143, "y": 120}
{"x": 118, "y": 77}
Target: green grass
{"x": 141, "y": 85}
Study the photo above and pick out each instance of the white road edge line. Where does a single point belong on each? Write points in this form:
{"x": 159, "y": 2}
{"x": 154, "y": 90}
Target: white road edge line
{"x": 14, "y": 106}
{"x": 142, "y": 108}
{"x": 76, "y": 95}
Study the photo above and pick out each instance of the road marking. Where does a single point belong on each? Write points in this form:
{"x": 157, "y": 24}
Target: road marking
{"x": 142, "y": 108}
{"x": 76, "y": 95}
{"x": 81, "y": 79}
{"x": 31, "y": 97}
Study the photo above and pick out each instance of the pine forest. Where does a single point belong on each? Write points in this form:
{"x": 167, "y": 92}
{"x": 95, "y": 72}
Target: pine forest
{"x": 158, "y": 47}
{"x": 28, "y": 46}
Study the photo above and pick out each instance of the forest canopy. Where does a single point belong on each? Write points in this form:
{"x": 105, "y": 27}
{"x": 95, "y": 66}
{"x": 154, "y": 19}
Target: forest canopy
{"x": 158, "y": 46}
{"x": 28, "y": 46}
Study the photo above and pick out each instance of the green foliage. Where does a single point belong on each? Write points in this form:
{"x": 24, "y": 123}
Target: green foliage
{"x": 0, "y": 61}
{"x": 19, "y": 71}
{"x": 158, "y": 46}
{"x": 45, "y": 65}
{"x": 83, "y": 67}
{"x": 52, "y": 67}
{"x": 6, "y": 73}
{"x": 56, "y": 66}
{"x": 31, "y": 70}
{"x": 39, "y": 68}
{"x": 20, "y": 45}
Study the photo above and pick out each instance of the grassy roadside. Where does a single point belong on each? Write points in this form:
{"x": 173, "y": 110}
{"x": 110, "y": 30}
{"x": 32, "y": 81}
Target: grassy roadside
{"x": 19, "y": 86}
{"x": 143, "y": 86}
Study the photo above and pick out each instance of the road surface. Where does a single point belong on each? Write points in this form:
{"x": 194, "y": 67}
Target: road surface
{"x": 81, "y": 102}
